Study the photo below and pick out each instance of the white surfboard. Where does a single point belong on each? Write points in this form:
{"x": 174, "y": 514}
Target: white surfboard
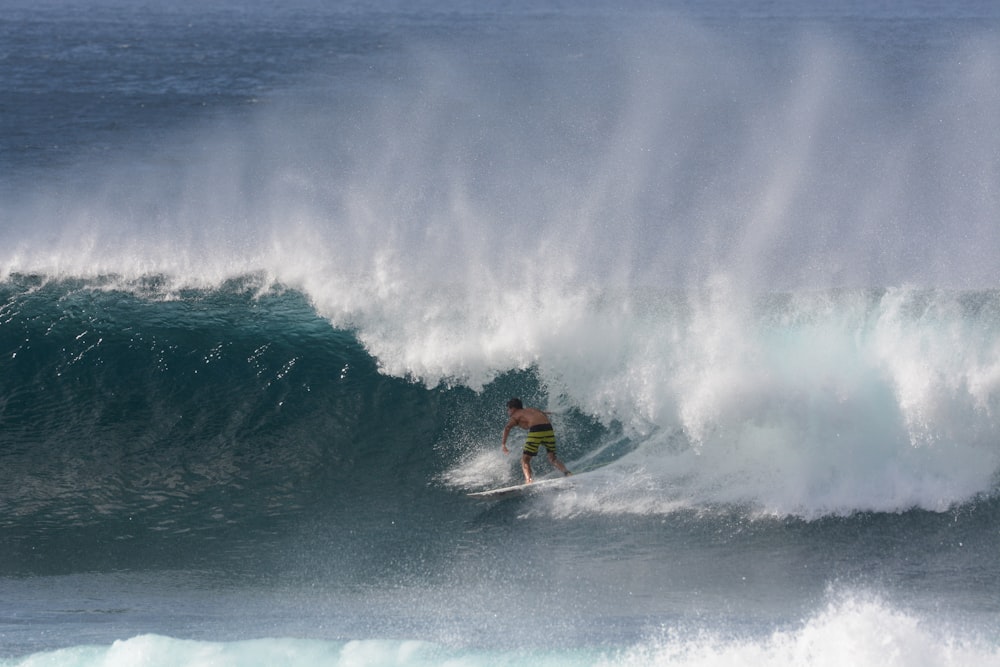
{"x": 521, "y": 489}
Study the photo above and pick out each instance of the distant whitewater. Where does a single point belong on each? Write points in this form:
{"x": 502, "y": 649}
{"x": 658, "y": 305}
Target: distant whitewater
{"x": 858, "y": 631}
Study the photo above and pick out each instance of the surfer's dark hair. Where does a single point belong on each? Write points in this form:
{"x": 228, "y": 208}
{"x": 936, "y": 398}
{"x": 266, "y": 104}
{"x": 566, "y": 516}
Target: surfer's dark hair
{"x": 515, "y": 403}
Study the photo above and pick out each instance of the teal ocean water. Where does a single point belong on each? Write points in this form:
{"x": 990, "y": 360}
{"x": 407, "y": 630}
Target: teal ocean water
{"x": 268, "y": 277}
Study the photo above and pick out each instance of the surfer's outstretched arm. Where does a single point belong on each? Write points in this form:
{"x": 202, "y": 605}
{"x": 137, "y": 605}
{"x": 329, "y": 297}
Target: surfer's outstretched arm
{"x": 506, "y": 431}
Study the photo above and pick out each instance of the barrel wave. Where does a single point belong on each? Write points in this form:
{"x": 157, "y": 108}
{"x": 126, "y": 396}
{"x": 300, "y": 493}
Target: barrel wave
{"x": 185, "y": 410}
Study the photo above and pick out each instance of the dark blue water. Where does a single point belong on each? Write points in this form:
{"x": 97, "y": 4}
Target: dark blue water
{"x": 269, "y": 276}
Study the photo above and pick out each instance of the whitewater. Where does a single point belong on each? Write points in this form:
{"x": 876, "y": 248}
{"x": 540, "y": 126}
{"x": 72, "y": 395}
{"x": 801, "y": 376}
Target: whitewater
{"x": 268, "y": 276}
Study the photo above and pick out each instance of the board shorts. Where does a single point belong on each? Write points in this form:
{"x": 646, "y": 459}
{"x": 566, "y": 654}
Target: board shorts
{"x": 539, "y": 435}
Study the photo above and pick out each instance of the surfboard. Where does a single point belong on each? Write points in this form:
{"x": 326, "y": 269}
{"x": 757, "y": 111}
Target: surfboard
{"x": 522, "y": 489}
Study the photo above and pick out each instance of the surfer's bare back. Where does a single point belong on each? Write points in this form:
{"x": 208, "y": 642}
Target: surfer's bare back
{"x": 540, "y": 434}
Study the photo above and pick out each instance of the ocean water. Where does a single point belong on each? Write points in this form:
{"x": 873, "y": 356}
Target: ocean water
{"x": 269, "y": 274}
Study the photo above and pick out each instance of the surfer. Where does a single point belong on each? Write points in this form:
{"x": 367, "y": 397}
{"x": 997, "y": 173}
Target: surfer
{"x": 540, "y": 433}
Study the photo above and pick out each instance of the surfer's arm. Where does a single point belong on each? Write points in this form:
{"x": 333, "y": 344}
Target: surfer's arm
{"x": 506, "y": 432}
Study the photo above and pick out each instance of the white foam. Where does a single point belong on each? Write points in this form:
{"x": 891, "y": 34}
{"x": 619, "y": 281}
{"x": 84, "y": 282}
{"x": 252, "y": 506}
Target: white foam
{"x": 825, "y": 404}
{"x": 481, "y": 468}
{"x": 858, "y": 630}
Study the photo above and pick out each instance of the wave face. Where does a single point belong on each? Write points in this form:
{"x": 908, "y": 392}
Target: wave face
{"x": 194, "y": 412}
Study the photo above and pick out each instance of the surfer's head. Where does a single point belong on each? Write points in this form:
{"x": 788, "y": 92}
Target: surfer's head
{"x": 515, "y": 404}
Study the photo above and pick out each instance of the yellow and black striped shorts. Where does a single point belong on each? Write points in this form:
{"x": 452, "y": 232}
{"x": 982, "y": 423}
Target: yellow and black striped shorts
{"x": 538, "y": 436}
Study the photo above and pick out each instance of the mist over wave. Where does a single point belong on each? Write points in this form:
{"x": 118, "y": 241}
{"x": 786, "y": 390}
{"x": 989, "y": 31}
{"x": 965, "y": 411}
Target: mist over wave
{"x": 595, "y": 157}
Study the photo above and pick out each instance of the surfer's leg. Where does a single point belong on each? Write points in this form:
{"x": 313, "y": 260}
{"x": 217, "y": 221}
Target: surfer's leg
{"x": 558, "y": 464}
{"x": 526, "y": 467}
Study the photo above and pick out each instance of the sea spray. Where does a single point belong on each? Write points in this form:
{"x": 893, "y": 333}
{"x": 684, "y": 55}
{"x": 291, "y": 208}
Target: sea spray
{"x": 596, "y": 159}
